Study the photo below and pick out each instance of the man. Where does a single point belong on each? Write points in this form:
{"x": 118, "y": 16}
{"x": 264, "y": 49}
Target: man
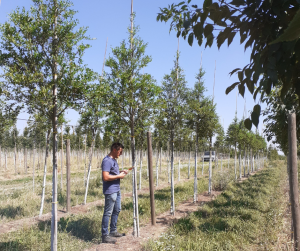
{"x": 111, "y": 189}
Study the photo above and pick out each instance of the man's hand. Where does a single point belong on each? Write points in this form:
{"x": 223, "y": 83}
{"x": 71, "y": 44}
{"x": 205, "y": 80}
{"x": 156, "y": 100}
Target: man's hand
{"x": 124, "y": 171}
{"x": 122, "y": 175}
{"x": 107, "y": 177}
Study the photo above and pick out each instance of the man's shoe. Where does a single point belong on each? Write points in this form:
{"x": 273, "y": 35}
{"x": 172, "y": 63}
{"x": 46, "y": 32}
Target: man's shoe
{"x": 108, "y": 239}
{"x": 116, "y": 234}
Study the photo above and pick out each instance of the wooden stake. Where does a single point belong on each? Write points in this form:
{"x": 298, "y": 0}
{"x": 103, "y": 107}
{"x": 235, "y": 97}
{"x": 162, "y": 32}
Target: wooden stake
{"x": 293, "y": 177}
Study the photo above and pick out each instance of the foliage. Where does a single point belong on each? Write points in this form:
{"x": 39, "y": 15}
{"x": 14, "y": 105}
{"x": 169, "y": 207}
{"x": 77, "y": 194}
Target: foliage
{"x": 258, "y": 23}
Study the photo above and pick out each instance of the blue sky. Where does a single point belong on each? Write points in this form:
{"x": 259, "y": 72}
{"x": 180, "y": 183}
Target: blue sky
{"x": 110, "y": 19}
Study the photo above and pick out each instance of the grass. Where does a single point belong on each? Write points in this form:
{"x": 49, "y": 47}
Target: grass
{"x": 246, "y": 216}
{"x": 17, "y": 199}
{"x": 77, "y": 232}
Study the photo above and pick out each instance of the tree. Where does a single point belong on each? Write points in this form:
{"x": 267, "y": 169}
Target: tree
{"x": 41, "y": 56}
{"x": 92, "y": 114}
{"x": 259, "y": 23}
{"x": 132, "y": 95}
{"x": 173, "y": 99}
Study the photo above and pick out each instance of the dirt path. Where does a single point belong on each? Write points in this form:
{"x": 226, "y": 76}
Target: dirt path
{"x": 78, "y": 209}
{"x": 163, "y": 222}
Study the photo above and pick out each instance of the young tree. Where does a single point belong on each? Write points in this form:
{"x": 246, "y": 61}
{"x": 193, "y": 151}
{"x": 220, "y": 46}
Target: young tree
{"x": 173, "y": 98}
{"x": 43, "y": 67}
{"x": 92, "y": 115}
{"x": 132, "y": 95}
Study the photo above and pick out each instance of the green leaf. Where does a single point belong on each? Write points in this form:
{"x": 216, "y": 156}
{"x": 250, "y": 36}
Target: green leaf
{"x": 235, "y": 70}
{"x": 257, "y": 109}
{"x": 191, "y": 39}
{"x": 208, "y": 30}
{"x": 241, "y": 75}
{"x": 230, "y": 37}
{"x": 242, "y": 89}
{"x": 230, "y": 88}
{"x": 207, "y": 3}
{"x": 186, "y": 24}
{"x": 178, "y": 33}
{"x": 248, "y": 124}
{"x": 220, "y": 39}
{"x": 292, "y": 32}
{"x": 255, "y": 118}
{"x": 237, "y": 2}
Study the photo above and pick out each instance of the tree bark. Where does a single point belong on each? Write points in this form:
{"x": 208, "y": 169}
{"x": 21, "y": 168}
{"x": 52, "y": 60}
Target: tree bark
{"x": 293, "y": 178}
{"x": 89, "y": 169}
{"x": 54, "y": 124}
{"x": 45, "y": 173}
{"x": 195, "y": 171}
{"x": 172, "y": 175}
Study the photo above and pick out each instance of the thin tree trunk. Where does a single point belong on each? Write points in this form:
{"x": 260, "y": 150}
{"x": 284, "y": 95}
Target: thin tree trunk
{"x": 5, "y": 159}
{"x": 89, "y": 169}
{"x": 25, "y": 160}
{"x": 45, "y": 173}
{"x": 203, "y": 163}
{"x": 240, "y": 165}
{"x": 54, "y": 123}
{"x": 235, "y": 161}
{"x": 172, "y": 176}
{"x": 179, "y": 167}
{"x": 141, "y": 162}
{"x": 33, "y": 167}
{"x": 210, "y": 169}
{"x": 61, "y": 159}
{"x": 157, "y": 158}
{"x": 293, "y": 178}
{"x": 195, "y": 171}
{"x": 15, "y": 157}
{"x": 189, "y": 167}
{"x": 85, "y": 161}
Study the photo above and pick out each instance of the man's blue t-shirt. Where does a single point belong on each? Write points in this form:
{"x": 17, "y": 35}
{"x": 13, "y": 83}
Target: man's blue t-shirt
{"x": 110, "y": 165}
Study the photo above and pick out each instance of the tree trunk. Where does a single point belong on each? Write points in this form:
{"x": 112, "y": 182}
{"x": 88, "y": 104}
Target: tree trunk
{"x": 54, "y": 123}
{"x": 89, "y": 169}
{"x": 240, "y": 164}
{"x": 45, "y": 173}
{"x": 157, "y": 158}
{"x": 189, "y": 167}
{"x": 141, "y": 162}
{"x": 210, "y": 168}
{"x": 85, "y": 161}
{"x": 293, "y": 178}
{"x": 195, "y": 171}
{"x": 15, "y": 157}
{"x": 203, "y": 163}
{"x": 61, "y": 160}
{"x": 179, "y": 167}
{"x": 172, "y": 175}
{"x": 33, "y": 167}
{"x": 235, "y": 161}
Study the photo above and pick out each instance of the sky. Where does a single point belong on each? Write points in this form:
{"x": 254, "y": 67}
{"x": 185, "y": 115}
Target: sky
{"x": 110, "y": 20}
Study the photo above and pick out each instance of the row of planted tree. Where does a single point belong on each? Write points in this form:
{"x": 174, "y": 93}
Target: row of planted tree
{"x": 44, "y": 74}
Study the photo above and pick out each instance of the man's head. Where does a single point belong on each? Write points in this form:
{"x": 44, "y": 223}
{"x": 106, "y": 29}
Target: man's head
{"x": 116, "y": 150}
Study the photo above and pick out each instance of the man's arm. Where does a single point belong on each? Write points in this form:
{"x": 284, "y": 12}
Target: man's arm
{"x": 107, "y": 177}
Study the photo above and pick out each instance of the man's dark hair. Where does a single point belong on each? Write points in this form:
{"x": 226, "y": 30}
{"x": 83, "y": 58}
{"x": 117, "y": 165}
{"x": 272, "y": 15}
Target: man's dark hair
{"x": 116, "y": 146}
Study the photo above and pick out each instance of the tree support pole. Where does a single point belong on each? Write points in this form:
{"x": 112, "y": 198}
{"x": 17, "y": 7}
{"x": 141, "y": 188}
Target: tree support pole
{"x": 293, "y": 177}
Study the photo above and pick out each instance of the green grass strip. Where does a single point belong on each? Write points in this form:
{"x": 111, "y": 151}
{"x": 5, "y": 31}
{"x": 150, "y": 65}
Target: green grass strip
{"x": 245, "y": 216}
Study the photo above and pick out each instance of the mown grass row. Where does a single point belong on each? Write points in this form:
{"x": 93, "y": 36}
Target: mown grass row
{"x": 246, "y": 216}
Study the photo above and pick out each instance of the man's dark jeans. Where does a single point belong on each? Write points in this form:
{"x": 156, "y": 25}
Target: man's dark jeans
{"x": 112, "y": 209}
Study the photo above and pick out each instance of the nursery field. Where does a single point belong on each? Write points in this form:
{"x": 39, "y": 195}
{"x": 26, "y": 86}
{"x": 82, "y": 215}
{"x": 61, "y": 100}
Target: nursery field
{"x": 235, "y": 219}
